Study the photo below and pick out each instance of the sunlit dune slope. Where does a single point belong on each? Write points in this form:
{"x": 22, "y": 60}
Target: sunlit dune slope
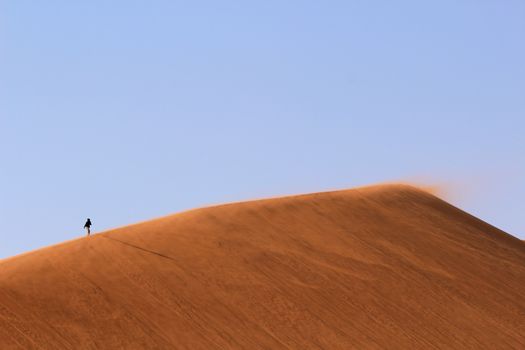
{"x": 387, "y": 267}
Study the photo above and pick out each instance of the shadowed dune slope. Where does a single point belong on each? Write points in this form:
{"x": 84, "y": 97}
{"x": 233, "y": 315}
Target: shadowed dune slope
{"x": 385, "y": 267}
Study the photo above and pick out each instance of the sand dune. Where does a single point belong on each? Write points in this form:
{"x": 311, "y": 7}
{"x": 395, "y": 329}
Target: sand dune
{"x": 387, "y": 267}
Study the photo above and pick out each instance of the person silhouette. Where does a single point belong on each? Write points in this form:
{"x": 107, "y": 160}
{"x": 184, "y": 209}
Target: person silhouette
{"x": 87, "y": 225}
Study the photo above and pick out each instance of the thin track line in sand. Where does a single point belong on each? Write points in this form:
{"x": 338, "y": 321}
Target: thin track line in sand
{"x": 140, "y": 248}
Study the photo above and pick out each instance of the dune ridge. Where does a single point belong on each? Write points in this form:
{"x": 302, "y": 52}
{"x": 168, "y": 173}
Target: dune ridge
{"x": 379, "y": 267}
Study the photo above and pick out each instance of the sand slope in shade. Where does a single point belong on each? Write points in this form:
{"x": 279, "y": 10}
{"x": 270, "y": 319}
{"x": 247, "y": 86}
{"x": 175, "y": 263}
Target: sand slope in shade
{"x": 385, "y": 267}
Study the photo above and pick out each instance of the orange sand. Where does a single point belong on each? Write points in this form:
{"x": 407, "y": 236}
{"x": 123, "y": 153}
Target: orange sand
{"x": 387, "y": 267}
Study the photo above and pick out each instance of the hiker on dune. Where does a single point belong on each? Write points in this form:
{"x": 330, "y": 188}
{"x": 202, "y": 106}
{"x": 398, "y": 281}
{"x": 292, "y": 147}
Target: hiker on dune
{"x": 87, "y": 225}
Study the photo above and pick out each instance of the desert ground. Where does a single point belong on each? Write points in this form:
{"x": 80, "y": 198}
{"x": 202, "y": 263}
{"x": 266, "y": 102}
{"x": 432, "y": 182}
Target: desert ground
{"x": 382, "y": 267}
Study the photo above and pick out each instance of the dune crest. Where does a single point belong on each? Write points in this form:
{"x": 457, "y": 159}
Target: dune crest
{"x": 379, "y": 267}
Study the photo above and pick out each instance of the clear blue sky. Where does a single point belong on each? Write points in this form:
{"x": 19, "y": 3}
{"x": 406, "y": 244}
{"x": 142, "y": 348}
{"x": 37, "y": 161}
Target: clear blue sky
{"x": 126, "y": 110}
